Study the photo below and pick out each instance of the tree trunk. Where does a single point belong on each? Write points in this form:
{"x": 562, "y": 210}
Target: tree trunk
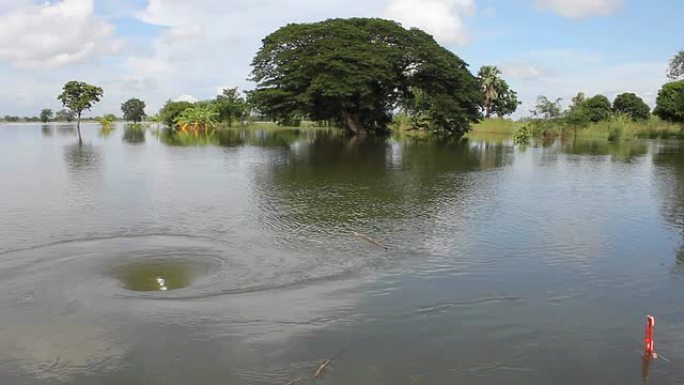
{"x": 353, "y": 123}
{"x": 78, "y": 128}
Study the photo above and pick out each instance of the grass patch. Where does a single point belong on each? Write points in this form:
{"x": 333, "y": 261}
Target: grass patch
{"x": 495, "y": 126}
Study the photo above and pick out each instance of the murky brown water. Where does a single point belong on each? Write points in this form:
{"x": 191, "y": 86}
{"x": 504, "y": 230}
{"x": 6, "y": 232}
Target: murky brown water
{"x": 139, "y": 260}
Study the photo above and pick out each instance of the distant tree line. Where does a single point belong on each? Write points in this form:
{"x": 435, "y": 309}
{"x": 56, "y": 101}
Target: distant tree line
{"x": 361, "y": 74}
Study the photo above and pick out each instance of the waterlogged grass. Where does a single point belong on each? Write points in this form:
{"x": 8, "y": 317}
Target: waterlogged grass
{"x": 495, "y": 126}
{"x": 621, "y": 128}
{"x": 257, "y": 135}
{"x": 617, "y": 128}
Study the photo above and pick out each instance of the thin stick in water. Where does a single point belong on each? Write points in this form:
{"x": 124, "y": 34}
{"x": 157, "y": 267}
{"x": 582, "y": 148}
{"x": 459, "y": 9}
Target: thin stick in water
{"x": 295, "y": 381}
{"x": 370, "y": 240}
{"x": 321, "y": 368}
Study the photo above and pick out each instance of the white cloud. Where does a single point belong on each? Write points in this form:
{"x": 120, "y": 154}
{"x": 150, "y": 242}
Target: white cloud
{"x": 581, "y": 8}
{"x": 191, "y": 32}
{"x": 441, "y": 18}
{"x": 523, "y": 70}
{"x": 208, "y": 45}
{"x": 185, "y": 98}
{"x": 54, "y": 34}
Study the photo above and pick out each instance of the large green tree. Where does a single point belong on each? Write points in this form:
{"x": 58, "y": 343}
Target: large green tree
{"x": 133, "y": 110}
{"x": 357, "y": 71}
{"x": 631, "y": 105}
{"x": 231, "y": 106}
{"x": 45, "y": 115}
{"x": 676, "y": 69}
{"x": 670, "y": 102}
{"x": 79, "y": 97}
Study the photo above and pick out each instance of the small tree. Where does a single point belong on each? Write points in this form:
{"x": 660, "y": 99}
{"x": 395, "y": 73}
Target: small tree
{"x": 499, "y": 99}
{"x": 597, "y": 108}
{"x": 546, "y": 108}
{"x": 65, "y": 115}
{"x": 676, "y": 70}
{"x": 230, "y": 106}
{"x": 133, "y": 110}
{"x": 171, "y": 110}
{"x": 670, "y": 102}
{"x": 79, "y": 96}
{"x": 507, "y": 103}
{"x": 631, "y": 105}
{"x": 45, "y": 115}
{"x": 577, "y": 118}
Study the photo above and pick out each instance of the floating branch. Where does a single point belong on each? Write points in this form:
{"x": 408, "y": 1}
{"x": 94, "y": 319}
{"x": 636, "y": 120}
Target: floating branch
{"x": 370, "y": 240}
{"x": 319, "y": 371}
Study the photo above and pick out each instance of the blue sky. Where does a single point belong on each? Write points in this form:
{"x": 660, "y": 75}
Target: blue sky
{"x": 163, "y": 49}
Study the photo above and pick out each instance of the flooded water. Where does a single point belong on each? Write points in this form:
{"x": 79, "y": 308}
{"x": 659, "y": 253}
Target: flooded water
{"x": 255, "y": 257}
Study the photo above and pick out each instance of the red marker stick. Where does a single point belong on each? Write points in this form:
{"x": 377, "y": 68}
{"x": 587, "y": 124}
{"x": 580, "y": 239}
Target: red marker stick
{"x": 649, "y": 345}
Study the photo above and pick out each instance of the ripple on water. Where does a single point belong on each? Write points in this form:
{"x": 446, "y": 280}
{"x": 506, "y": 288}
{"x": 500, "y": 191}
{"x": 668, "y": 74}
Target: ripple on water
{"x": 160, "y": 267}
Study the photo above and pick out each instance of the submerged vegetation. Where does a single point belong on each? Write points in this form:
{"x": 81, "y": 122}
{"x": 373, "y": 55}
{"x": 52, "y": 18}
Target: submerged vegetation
{"x": 196, "y": 120}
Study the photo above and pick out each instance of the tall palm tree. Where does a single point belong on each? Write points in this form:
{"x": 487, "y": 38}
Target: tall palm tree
{"x": 491, "y": 84}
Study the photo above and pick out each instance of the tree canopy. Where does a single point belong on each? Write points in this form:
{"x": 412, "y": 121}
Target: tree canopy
{"x": 597, "y": 108}
{"x": 45, "y": 115}
{"x": 546, "y": 108}
{"x": 631, "y": 105}
{"x": 676, "y": 69}
{"x": 499, "y": 99}
{"x": 133, "y": 110}
{"x": 358, "y": 71}
{"x": 65, "y": 115}
{"x": 670, "y": 102}
{"x": 231, "y": 106}
{"x": 172, "y": 110}
{"x": 79, "y": 96}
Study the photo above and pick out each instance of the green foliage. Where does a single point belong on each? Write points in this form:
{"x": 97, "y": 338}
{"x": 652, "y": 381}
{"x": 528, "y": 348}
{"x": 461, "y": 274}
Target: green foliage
{"x": 45, "y": 115}
{"x": 631, "y": 105}
{"x": 355, "y": 72}
{"x": 507, "y": 102}
{"x": 670, "y": 102}
{"x": 106, "y": 121}
{"x": 198, "y": 119}
{"x": 597, "y": 108}
{"x": 547, "y": 109}
{"x": 172, "y": 110}
{"x": 618, "y": 125}
{"x": 133, "y": 110}
{"x": 65, "y": 115}
{"x": 523, "y": 135}
{"x": 577, "y": 117}
{"x": 676, "y": 69}
{"x": 79, "y": 96}
{"x": 499, "y": 99}
{"x": 231, "y": 106}
{"x": 578, "y": 99}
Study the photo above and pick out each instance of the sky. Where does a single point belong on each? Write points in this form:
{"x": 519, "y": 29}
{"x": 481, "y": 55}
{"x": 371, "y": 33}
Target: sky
{"x": 158, "y": 50}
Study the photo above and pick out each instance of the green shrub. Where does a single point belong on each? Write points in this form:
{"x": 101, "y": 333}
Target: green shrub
{"x": 670, "y": 102}
{"x": 523, "y": 135}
